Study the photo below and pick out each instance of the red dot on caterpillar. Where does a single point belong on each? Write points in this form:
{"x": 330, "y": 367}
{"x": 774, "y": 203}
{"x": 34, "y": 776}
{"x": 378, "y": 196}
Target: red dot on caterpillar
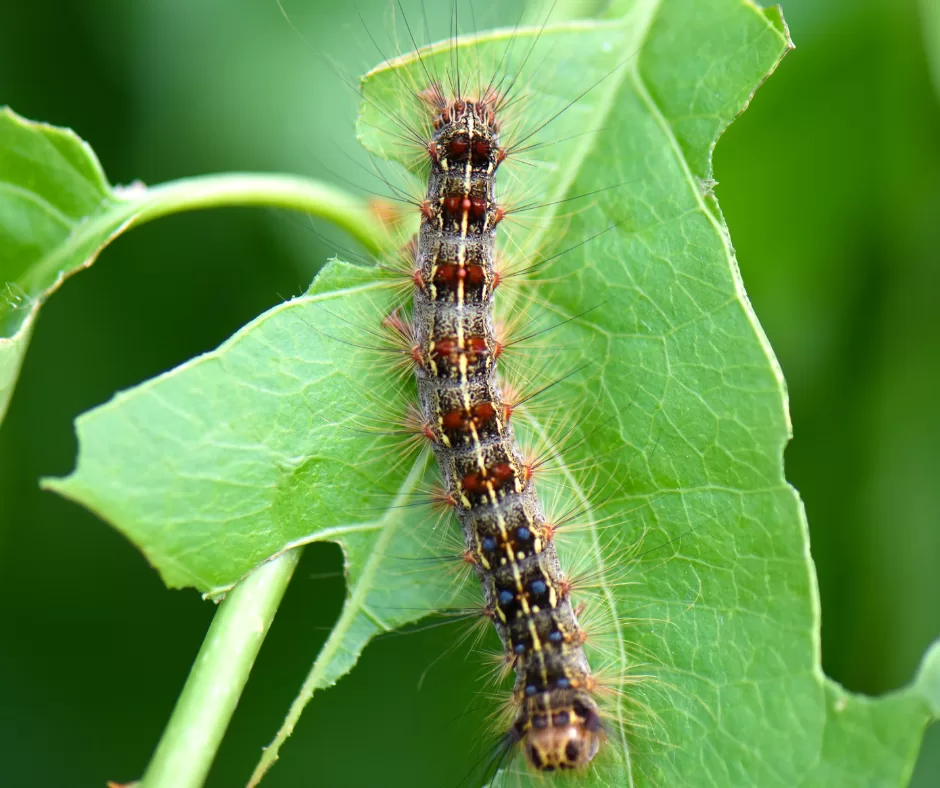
{"x": 445, "y": 347}
{"x": 476, "y": 346}
{"x": 502, "y": 472}
{"x": 493, "y": 478}
{"x": 481, "y": 151}
{"x": 445, "y": 275}
{"x": 483, "y": 412}
{"x": 473, "y": 482}
{"x": 454, "y": 420}
{"x": 457, "y": 148}
{"x": 474, "y": 274}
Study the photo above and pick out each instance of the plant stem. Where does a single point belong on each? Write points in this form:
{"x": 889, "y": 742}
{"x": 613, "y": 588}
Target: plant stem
{"x": 276, "y": 190}
{"x": 135, "y": 205}
{"x": 215, "y": 683}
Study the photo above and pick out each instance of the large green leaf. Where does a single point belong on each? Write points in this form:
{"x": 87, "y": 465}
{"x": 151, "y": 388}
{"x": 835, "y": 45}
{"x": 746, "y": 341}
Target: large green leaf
{"x": 58, "y": 211}
{"x": 270, "y": 441}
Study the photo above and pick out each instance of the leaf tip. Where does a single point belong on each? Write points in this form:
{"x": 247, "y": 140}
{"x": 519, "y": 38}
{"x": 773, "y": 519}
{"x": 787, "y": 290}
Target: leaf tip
{"x": 775, "y": 18}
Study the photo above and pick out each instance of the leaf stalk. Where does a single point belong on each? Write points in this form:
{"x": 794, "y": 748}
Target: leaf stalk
{"x": 218, "y": 676}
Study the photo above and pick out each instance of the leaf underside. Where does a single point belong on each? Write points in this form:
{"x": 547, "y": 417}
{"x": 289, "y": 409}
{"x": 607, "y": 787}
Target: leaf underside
{"x": 273, "y": 440}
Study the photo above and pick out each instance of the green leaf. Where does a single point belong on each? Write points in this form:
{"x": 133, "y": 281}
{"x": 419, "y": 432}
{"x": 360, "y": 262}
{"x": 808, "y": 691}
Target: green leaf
{"x": 270, "y": 442}
{"x": 58, "y": 211}
{"x": 51, "y": 181}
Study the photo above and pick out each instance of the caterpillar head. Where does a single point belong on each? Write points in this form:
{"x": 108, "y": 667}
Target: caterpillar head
{"x": 560, "y": 733}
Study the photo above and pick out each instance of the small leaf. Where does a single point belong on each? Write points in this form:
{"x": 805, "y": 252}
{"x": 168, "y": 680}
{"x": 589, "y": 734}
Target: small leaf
{"x": 58, "y": 211}
{"x": 50, "y": 185}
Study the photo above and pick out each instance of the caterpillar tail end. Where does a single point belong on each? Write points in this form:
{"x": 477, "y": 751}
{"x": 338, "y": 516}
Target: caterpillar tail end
{"x": 557, "y": 734}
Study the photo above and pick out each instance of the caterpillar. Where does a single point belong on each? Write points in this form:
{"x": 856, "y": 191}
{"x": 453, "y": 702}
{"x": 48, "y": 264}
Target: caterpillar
{"x": 453, "y": 342}
{"x": 508, "y": 538}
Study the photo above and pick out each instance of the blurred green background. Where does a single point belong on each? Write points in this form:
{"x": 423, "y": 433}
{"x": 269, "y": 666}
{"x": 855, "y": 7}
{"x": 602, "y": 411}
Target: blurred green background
{"x": 830, "y": 184}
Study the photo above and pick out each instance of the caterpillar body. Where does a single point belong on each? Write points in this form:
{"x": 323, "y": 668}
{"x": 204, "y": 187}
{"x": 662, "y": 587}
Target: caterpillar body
{"x": 508, "y": 539}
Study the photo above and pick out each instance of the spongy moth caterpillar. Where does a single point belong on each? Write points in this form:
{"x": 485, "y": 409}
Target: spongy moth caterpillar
{"x": 455, "y": 347}
{"x": 508, "y": 537}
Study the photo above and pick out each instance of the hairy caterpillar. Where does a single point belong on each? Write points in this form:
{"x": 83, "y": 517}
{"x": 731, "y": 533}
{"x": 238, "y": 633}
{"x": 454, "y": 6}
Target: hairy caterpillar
{"x": 454, "y": 344}
{"x": 508, "y": 538}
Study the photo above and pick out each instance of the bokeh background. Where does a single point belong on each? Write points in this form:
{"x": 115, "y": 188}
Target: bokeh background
{"x": 830, "y": 184}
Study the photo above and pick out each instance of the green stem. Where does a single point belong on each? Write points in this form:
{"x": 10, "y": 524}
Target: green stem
{"x": 269, "y": 189}
{"x": 138, "y": 205}
{"x": 215, "y": 683}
